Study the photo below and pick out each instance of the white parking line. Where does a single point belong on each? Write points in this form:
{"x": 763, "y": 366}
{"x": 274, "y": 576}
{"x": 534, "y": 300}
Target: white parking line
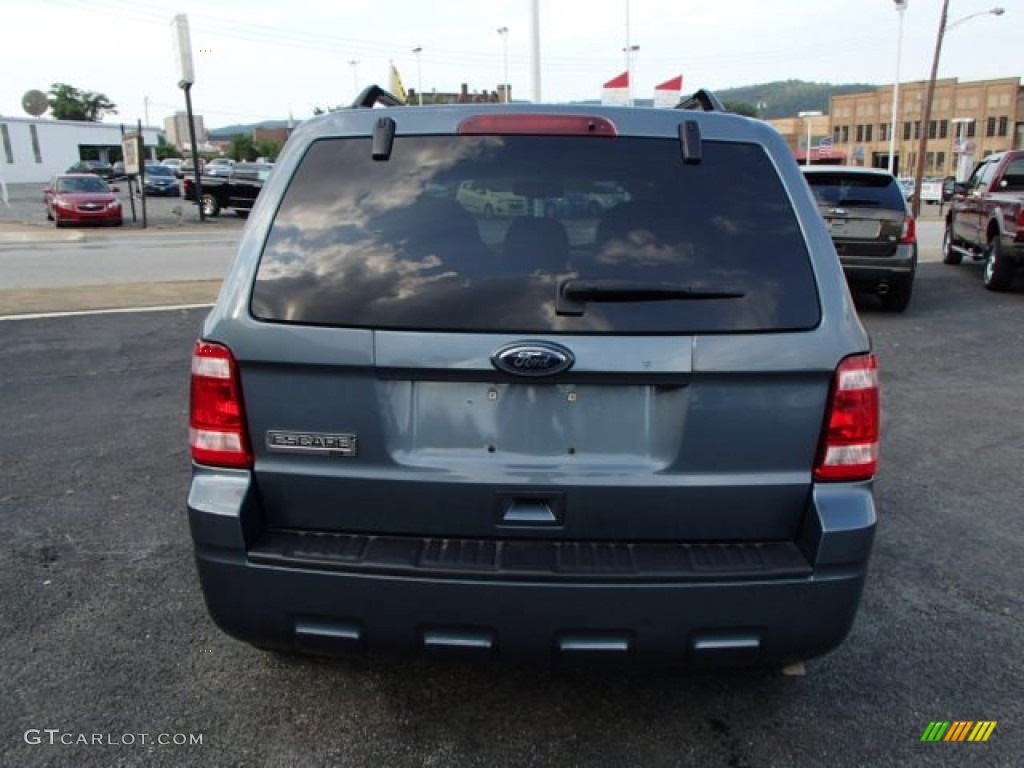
{"x": 86, "y": 312}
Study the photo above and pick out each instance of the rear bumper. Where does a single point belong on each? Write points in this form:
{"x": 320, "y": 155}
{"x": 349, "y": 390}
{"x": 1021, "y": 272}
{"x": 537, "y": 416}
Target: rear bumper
{"x": 769, "y": 617}
{"x": 89, "y": 217}
{"x": 863, "y": 270}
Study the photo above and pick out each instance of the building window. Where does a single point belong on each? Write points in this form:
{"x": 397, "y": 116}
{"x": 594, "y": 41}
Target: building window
{"x": 906, "y": 131}
{"x": 867, "y": 131}
{"x": 929, "y": 160}
{"x": 940, "y": 160}
{"x": 933, "y": 129}
{"x": 883, "y": 131}
{"x": 917, "y": 129}
{"x": 944, "y": 129}
{"x": 844, "y": 133}
{"x": 971, "y": 129}
{"x": 1004, "y": 125}
{"x": 860, "y": 133}
{"x": 35, "y": 144}
{"x": 8, "y": 153}
{"x": 835, "y": 134}
{"x": 990, "y": 127}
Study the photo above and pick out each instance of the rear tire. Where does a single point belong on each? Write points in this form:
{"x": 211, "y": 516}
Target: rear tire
{"x": 998, "y": 273}
{"x": 898, "y": 297}
{"x": 211, "y": 206}
{"x": 949, "y": 256}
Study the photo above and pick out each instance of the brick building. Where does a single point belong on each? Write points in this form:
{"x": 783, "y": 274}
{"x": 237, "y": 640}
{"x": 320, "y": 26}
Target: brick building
{"x": 993, "y": 111}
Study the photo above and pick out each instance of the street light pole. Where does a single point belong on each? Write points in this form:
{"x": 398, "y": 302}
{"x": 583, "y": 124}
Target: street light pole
{"x": 930, "y": 94}
{"x": 961, "y": 124}
{"x": 503, "y": 31}
{"x": 901, "y": 7}
{"x": 354, "y": 63}
{"x": 808, "y": 116}
{"x": 535, "y": 50}
{"x": 629, "y": 51}
{"x": 418, "y": 50}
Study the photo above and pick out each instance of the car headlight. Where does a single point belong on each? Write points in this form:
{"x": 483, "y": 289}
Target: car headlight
{"x": 114, "y": 205}
{"x": 59, "y": 202}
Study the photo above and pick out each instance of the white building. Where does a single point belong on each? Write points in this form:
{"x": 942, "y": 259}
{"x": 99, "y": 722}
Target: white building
{"x": 176, "y": 128}
{"x": 33, "y": 149}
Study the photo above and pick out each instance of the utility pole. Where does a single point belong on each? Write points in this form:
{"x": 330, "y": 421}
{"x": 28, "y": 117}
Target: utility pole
{"x": 926, "y": 116}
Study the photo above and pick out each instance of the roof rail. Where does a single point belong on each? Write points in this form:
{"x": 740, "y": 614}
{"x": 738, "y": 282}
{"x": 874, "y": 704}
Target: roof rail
{"x": 703, "y": 100}
{"x": 374, "y": 95}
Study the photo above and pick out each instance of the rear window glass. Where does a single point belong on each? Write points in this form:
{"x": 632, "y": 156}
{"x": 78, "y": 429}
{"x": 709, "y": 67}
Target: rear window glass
{"x": 857, "y": 189}
{"x": 479, "y": 233}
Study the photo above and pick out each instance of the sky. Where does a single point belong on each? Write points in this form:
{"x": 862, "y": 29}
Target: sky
{"x": 264, "y": 59}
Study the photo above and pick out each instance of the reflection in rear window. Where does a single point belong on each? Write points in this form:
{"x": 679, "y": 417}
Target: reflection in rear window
{"x": 477, "y": 233}
{"x": 872, "y": 190}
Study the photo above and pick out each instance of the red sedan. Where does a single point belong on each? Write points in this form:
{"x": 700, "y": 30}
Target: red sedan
{"x": 80, "y": 198}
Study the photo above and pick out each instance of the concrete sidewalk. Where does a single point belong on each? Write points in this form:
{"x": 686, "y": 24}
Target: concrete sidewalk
{"x": 27, "y": 301}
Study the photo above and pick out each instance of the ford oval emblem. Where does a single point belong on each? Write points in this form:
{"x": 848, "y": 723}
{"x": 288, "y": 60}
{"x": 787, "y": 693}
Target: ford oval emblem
{"x": 532, "y": 358}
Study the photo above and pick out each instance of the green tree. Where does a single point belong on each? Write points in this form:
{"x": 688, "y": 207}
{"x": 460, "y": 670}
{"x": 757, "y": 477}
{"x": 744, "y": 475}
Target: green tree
{"x": 166, "y": 150}
{"x": 70, "y": 103}
{"x": 242, "y": 148}
{"x": 741, "y": 108}
{"x": 268, "y": 148}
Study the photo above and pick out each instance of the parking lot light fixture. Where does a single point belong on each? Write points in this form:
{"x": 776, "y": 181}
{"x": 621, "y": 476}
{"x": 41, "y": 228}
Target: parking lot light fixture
{"x": 503, "y": 31}
{"x": 418, "y": 50}
{"x": 901, "y": 7}
{"x": 926, "y": 117}
{"x": 808, "y": 116}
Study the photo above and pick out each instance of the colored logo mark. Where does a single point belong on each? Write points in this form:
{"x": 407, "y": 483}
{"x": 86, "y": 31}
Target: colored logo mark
{"x": 959, "y": 730}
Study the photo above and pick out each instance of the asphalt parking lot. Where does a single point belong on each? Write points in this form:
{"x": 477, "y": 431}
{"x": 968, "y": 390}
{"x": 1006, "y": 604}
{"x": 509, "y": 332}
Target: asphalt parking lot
{"x": 163, "y": 212}
{"x": 106, "y": 633}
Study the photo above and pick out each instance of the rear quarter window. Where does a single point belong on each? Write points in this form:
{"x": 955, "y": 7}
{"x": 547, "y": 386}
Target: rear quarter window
{"x": 477, "y": 234}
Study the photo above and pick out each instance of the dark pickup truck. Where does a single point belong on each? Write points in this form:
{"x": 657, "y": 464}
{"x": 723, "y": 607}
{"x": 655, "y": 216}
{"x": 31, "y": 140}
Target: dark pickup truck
{"x": 238, "y": 191}
{"x": 986, "y": 219}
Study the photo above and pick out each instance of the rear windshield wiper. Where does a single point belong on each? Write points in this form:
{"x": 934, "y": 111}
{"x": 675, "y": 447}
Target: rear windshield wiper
{"x": 574, "y": 294}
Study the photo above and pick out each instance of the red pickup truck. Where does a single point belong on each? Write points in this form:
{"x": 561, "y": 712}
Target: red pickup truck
{"x": 986, "y": 219}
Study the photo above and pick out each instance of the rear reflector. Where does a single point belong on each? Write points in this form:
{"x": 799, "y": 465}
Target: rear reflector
{"x": 217, "y": 434}
{"x": 849, "y": 443}
{"x": 537, "y": 125}
{"x": 908, "y": 235}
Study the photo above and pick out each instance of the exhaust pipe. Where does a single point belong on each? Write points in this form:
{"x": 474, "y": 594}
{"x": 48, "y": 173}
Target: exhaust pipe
{"x": 882, "y": 289}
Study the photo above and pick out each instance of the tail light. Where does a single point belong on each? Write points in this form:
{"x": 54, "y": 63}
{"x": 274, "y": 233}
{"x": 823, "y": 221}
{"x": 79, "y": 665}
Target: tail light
{"x": 1019, "y": 237}
{"x": 217, "y": 433}
{"x": 908, "y": 235}
{"x": 849, "y": 444}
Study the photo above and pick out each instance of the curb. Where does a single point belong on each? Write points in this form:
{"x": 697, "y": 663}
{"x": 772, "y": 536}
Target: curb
{"x": 43, "y": 236}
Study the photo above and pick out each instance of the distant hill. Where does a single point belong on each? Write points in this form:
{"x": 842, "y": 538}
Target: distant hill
{"x": 785, "y": 98}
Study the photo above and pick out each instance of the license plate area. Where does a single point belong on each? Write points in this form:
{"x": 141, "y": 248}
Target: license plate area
{"x": 854, "y": 229}
{"x": 433, "y": 423}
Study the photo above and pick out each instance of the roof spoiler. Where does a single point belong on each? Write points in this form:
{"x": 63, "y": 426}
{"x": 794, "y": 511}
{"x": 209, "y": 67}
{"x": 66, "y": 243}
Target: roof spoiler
{"x": 702, "y": 100}
{"x": 374, "y": 95}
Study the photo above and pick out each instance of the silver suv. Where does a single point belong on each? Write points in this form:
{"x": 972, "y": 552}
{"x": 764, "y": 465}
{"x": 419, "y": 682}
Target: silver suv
{"x": 646, "y": 433}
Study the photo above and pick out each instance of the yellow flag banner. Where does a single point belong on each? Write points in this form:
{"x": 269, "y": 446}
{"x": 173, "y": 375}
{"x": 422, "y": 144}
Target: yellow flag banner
{"x": 397, "y": 89}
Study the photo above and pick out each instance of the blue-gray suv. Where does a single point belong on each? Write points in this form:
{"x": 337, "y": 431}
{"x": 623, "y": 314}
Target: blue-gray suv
{"x": 645, "y": 432}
